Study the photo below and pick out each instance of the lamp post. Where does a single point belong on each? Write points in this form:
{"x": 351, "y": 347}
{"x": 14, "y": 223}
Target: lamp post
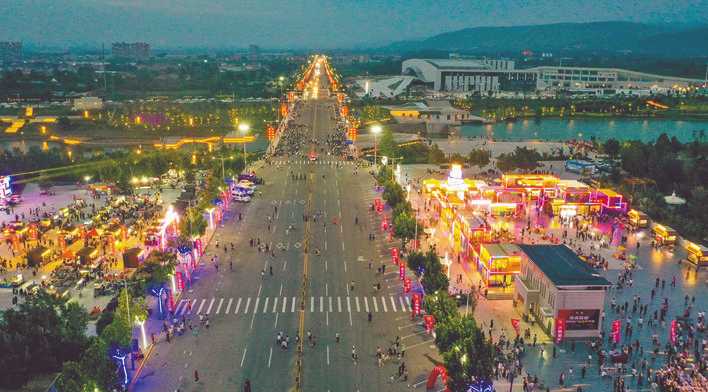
{"x": 244, "y": 128}
{"x": 376, "y": 129}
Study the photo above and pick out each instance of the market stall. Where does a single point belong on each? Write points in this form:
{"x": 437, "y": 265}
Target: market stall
{"x": 38, "y": 256}
{"x": 664, "y": 235}
{"x": 697, "y": 254}
{"x": 638, "y": 219}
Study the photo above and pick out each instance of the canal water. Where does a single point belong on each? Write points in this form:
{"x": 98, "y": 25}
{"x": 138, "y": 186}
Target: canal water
{"x": 585, "y": 128}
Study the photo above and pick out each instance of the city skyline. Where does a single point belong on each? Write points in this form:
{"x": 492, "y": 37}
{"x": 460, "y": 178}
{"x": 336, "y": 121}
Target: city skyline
{"x": 302, "y": 24}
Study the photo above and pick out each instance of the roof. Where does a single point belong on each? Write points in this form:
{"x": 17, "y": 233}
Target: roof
{"x": 562, "y": 266}
{"x": 502, "y": 250}
{"x": 457, "y": 64}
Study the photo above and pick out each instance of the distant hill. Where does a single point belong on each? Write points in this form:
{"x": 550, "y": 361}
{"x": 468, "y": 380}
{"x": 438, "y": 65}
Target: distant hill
{"x": 594, "y": 37}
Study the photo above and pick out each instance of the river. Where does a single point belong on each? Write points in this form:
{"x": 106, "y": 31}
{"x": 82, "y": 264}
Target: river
{"x": 644, "y": 129}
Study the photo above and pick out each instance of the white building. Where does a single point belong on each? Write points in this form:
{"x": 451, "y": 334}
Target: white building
{"x": 487, "y": 76}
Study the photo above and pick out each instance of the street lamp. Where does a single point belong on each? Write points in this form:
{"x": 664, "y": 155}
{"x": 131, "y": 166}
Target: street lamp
{"x": 244, "y": 128}
{"x": 375, "y": 129}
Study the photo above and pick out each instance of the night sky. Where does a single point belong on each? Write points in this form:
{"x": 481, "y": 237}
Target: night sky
{"x": 304, "y": 23}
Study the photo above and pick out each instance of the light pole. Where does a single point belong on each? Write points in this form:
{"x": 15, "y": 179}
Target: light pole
{"x": 244, "y": 128}
{"x": 376, "y": 129}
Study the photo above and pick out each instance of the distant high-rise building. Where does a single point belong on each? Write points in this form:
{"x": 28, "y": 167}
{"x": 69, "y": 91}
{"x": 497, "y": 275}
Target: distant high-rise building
{"x": 131, "y": 50}
{"x": 254, "y": 52}
{"x": 10, "y": 50}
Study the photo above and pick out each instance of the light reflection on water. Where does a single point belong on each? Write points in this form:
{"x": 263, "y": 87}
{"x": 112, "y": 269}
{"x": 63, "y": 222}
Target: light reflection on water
{"x": 602, "y": 129}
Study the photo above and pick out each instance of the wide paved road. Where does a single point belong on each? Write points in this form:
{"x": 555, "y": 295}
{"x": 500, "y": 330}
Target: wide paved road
{"x": 310, "y": 289}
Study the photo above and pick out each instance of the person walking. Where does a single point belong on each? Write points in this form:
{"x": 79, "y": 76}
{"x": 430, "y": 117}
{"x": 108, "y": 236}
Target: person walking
{"x": 196, "y": 375}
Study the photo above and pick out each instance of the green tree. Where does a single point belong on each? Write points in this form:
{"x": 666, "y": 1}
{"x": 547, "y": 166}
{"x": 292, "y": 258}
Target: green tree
{"x": 393, "y": 194}
{"x": 471, "y": 358}
{"x": 387, "y": 144}
{"x": 612, "y": 147}
{"x": 193, "y": 223}
{"x": 441, "y": 306}
{"x": 415, "y": 261}
{"x": 479, "y": 157}
{"x": 404, "y": 226}
{"x": 436, "y": 155}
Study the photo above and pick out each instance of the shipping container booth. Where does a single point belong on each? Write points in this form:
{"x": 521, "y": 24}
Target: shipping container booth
{"x": 664, "y": 235}
{"x": 638, "y": 219}
{"x": 609, "y": 200}
{"x": 498, "y": 264}
{"x": 697, "y": 254}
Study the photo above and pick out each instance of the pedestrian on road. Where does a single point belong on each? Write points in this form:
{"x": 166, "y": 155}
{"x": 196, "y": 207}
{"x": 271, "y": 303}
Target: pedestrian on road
{"x": 262, "y": 274}
{"x": 247, "y": 386}
{"x": 196, "y": 375}
{"x": 271, "y": 270}
{"x": 231, "y": 265}
{"x": 369, "y": 316}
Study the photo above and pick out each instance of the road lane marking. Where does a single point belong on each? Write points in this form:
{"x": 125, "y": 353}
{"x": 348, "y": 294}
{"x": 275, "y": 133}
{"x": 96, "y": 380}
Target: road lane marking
{"x": 201, "y": 305}
{"x": 341, "y": 229}
{"x": 339, "y": 304}
{"x": 349, "y": 309}
{"x": 285, "y": 265}
{"x": 393, "y": 304}
{"x": 321, "y": 304}
{"x": 265, "y": 305}
{"x": 228, "y": 306}
{"x": 342, "y": 246}
{"x": 420, "y": 344}
{"x": 292, "y": 307}
{"x": 326, "y": 289}
{"x": 345, "y": 265}
{"x": 218, "y": 308}
{"x": 275, "y": 325}
{"x": 275, "y": 304}
{"x": 408, "y": 301}
{"x": 327, "y": 355}
{"x": 285, "y": 303}
{"x": 383, "y": 303}
{"x": 327, "y": 318}
{"x": 325, "y": 265}
{"x": 281, "y": 289}
{"x": 325, "y": 245}
{"x": 403, "y": 305}
{"x": 356, "y": 299}
{"x": 255, "y": 310}
{"x": 376, "y": 305}
{"x": 259, "y": 288}
{"x": 330, "y": 304}
{"x": 270, "y": 356}
{"x": 238, "y": 305}
{"x": 366, "y": 305}
{"x": 248, "y": 303}
{"x": 243, "y": 357}
{"x": 312, "y": 304}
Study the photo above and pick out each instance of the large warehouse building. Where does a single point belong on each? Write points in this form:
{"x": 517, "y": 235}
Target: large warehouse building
{"x": 489, "y": 76}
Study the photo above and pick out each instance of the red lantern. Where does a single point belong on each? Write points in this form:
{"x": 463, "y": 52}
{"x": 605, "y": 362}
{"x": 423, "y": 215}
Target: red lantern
{"x": 429, "y": 323}
{"x": 180, "y": 281}
{"x": 270, "y": 132}
{"x": 416, "y": 304}
{"x": 394, "y": 255}
{"x": 401, "y": 271}
{"x": 406, "y": 285}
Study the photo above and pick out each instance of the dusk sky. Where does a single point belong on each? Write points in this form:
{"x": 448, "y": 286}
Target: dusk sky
{"x": 304, "y": 23}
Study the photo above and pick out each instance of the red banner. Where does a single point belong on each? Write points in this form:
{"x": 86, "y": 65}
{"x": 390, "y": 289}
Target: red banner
{"x": 616, "y": 331}
{"x": 180, "y": 281}
{"x": 401, "y": 271}
{"x": 416, "y": 304}
{"x": 560, "y": 330}
{"x": 429, "y": 323}
{"x": 406, "y": 285}
{"x": 673, "y": 333}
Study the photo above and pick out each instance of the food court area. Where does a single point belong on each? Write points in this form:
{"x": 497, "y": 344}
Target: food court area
{"x": 538, "y": 240}
{"x": 93, "y": 242}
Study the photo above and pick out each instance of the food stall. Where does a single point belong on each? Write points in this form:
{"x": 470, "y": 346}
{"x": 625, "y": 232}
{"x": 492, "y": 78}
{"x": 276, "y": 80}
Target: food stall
{"x": 87, "y": 255}
{"x": 697, "y": 254}
{"x": 38, "y": 256}
{"x": 664, "y": 235}
{"x": 499, "y": 264}
{"x": 133, "y": 257}
{"x": 609, "y": 200}
{"x": 638, "y": 219}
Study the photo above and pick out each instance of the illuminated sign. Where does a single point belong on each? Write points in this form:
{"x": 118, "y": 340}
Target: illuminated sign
{"x": 580, "y": 319}
{"x": 560, "y": 330}
{"x": 5, "y": 189}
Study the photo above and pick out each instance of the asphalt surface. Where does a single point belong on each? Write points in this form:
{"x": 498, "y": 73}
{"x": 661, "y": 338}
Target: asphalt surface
{"x": 310, "y": 289}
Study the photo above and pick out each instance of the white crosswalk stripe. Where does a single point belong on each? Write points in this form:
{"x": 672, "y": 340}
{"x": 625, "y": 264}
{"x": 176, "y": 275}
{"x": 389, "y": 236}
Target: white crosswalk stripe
{"x": 318, "y": 304}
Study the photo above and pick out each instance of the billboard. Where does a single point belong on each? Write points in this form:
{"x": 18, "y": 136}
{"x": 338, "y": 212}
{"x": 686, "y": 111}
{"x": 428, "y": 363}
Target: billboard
{"x": 580, "y": 319}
